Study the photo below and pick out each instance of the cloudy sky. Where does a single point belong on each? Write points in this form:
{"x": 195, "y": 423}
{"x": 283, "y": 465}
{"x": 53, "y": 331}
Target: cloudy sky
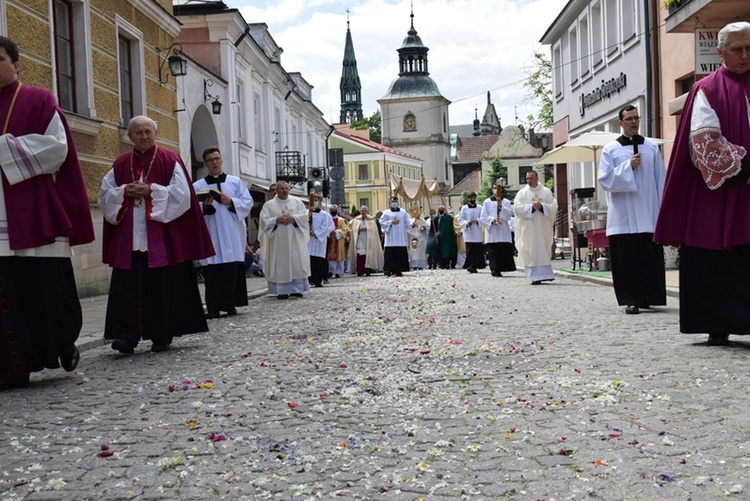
{"x": 475, "y": 46}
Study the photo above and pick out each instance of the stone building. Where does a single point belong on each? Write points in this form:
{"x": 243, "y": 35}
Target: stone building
{"x": 106, "y": 62}
{"x": 414, "y": 113}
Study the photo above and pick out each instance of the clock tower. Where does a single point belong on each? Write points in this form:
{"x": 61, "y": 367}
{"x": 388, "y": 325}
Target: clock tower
{"x": 414, "y": 115}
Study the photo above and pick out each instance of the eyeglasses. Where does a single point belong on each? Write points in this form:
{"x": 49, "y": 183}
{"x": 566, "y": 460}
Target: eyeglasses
{"x": 631, "y": 120}
{"x": 212, "y": 159}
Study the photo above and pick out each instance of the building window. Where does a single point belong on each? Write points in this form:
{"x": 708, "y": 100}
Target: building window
{"x": 364, "y": 201}
{"x": 583, "y": 30}
{"x": 65, "y": 55}
{"x": 522, "y": 171}
{"x": 557, "y": 65}
{"x": 573, "y": 53}
{"x": 258, "y": 122}
{"x": 126, "y": 80}
{"x": 130, "y": 71}
{"x": 629, "y": 23}
{"x": 597, "y": 35}
{"x": 613, "y": 35}
{"x": 684, "y": 85}
{"x": 362, "y": 173}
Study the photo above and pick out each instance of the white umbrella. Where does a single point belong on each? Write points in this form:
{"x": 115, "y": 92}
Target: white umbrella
{"x": 584, "y": 148}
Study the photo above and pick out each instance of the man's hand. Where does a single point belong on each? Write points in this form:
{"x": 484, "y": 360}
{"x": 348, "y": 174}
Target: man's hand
{"x": 537, "y": 205}
{"x": 635, "y": 161}
{"x": 284, "y": 219}
{"x": 394, "y": 221}
{"x": 137, "y": 190}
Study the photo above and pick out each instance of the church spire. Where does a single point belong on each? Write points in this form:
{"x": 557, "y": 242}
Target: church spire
{"x": 350, "y": 87}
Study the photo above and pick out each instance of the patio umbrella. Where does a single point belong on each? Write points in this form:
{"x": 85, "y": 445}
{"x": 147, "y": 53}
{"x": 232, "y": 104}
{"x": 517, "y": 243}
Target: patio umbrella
{"x": 584, "y": 148}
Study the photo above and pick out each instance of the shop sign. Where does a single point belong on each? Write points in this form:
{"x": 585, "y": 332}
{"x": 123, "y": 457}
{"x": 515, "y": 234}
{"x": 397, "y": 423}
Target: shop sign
{"x": 707, "y": 58}
{"x": 605, "y": 90}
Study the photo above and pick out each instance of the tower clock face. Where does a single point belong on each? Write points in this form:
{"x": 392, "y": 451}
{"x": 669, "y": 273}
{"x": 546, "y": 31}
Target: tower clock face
{"x": 410, "y": 124}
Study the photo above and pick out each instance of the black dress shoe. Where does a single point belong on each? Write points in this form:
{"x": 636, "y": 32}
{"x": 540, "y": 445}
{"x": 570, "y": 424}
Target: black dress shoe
{"x": 398, "y": 274}
{"x": 14, "y": 381}
{"x": 632, "y": 309}
{"x": 160, "y": 347}
{"x": 232, "y": 312}
{"x": 282, "y": 296}
{"x": 123, "y": 346}
{"x": 536, "y": 282}
{"x": 69, "y": 358}
{"x": 296, "y": 294}
{"x": 212, "y": 314}
{"x": 718, "y": 340}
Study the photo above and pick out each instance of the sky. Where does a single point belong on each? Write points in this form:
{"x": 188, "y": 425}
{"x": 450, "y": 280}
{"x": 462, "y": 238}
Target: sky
{"x": 475, "y": 46}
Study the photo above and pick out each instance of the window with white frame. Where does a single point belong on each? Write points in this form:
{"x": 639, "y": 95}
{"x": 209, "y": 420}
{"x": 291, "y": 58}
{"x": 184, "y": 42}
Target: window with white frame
{"x": 613, "y": 35}
{"x": 72, "y": 61}
{"x": 629, "y": 23}
{"x": 241, "y": 112}
{"x": 573, "y": 55}
{"x": 258, "y": 122}
{"x": 597, "y": 34}
{"x": 557, "y": 72}
{"x": 583, "y": 36}
{"x": 362, "y": 172}
{"x": 130, "y": 69}
{"x": 65, "y": 55}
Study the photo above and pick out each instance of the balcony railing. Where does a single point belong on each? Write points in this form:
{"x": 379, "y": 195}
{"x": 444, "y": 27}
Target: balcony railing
{"x": 290, "y": 167}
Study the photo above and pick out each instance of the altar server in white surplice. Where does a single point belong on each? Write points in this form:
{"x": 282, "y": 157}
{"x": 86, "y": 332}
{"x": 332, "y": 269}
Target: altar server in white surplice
{"x": 321, "y": 227}
{"x": 632, "y": 173}
{"x": 496, "y": 216}
{"x": 395, "y": 223}
{"x": 468, "y": 220}
{"x": 225, "y": 215}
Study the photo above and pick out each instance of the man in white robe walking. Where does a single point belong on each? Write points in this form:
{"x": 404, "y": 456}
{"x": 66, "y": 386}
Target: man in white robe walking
{"x": 535, "y": 208}
{"x": 632, "y": 173}
{"x": 365, "y": 250}
{"x": 284, "y": 233}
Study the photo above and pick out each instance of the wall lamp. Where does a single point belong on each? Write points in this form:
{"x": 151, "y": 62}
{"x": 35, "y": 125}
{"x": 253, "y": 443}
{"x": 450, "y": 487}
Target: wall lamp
{"x": 215, "y": 103}
{"x": 177, "y": 62}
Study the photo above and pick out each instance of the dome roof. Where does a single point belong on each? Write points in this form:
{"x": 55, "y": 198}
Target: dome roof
{"x": 412, "y": 86}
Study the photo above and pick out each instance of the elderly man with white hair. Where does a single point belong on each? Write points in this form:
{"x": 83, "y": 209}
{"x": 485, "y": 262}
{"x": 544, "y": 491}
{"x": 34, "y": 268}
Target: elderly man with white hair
{"x": 153, "y": 231}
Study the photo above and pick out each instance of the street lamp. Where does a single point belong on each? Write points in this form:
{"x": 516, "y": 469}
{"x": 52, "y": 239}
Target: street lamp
{"x": 215, "y": 103}
{"x": 177, "y": 62}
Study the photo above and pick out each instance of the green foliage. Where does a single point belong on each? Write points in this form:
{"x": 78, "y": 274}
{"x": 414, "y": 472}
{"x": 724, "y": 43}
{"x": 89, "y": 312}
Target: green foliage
{"x": 538, "y": 84}
{"x": 373, "y": 123}
{"x": 464, "y": 197}
{"x": 550, "y": 183}
{"x": 496, "y": 172}
{"x": 668, "y": 4}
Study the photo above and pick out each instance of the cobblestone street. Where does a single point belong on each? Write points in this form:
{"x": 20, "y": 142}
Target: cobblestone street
{"x": 437, "y": 385}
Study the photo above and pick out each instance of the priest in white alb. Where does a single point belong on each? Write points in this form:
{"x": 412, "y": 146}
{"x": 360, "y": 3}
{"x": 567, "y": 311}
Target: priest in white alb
{"x": 535, "y": 208}
{"x": 284, "y": 233}
{"x": 321, "y": 228}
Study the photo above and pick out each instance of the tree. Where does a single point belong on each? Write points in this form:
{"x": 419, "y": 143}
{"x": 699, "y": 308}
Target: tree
{"x": 538, "y": 83}
{"x": 497, "y": 171}
{"x": 372, "y": 123}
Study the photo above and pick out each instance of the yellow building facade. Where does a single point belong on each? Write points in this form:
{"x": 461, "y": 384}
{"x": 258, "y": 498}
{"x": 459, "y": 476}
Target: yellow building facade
{"x": 105, "y": 60}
